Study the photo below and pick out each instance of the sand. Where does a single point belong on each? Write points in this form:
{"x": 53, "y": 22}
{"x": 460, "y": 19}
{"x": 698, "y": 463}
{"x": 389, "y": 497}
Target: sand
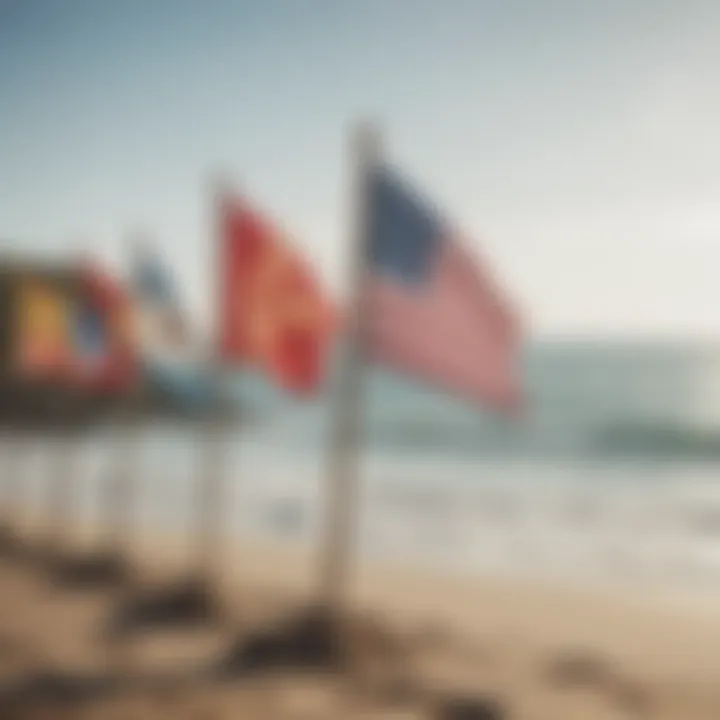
{"x": 421, "y": 641}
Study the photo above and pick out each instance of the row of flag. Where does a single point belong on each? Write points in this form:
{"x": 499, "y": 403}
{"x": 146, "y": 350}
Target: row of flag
{"x": 429, "y": 308}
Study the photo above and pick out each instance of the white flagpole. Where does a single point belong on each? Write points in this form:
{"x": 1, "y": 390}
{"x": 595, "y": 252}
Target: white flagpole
{"x": 6, "y": 470}
{"x": 212, "y": 486}
{"x": 64, "y": 477}
{"x": 122, "y": 484}
{"x": 18, "y": 472}
{"x": 343, "y": 476}
{"x": 27, "y": 444}
{"x": 11, "y": 450}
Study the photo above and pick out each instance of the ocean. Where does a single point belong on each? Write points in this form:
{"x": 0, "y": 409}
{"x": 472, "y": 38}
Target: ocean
{"x": 609, "y": 477}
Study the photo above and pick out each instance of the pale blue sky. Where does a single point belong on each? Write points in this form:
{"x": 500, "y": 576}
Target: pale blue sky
{"x": 577, "y": 143}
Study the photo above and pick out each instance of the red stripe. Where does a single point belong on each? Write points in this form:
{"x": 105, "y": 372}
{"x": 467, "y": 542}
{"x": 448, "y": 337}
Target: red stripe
{"x": 454, "y": 331}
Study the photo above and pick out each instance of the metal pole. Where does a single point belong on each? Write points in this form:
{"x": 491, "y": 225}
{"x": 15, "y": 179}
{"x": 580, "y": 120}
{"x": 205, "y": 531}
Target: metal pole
{"x": 212, "y": 485}
{"x": 121, "y": 486}
{"x": 343, "y": 480}
{"x": 63, "y": 483}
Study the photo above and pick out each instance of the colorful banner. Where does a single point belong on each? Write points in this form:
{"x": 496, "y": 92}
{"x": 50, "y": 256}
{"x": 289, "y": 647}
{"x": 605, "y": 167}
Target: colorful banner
{"x": 107, "y": 360}
{"x": 43, "y": 330}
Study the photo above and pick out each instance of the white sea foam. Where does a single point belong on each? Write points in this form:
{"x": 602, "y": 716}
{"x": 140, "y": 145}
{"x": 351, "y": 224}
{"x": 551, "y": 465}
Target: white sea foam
{"x": 647, "y": 526}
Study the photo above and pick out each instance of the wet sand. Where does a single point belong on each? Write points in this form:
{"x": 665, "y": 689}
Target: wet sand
{"x": 420, "y": 644}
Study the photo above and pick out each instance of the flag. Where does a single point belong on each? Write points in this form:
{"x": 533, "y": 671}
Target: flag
{"x": 90, "y": 337}
{"x": 93, "y": 359}
{"x": 105, "y": 343}
{"x": 42, "y": 325}
{"x": 432, "y": 312}
{"x": 274, "y": 315}
{"x": 162, "y": 326}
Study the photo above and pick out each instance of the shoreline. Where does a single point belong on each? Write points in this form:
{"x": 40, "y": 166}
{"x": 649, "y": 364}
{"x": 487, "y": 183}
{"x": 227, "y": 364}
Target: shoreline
{"x": 539, "y": 613}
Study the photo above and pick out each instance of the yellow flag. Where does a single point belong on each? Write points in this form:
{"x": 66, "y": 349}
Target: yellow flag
{"x": 43, "y": 340}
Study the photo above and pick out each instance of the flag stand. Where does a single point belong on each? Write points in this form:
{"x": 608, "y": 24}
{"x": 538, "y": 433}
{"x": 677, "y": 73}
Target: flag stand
{"x": 6, "y": 463}
{"x": 111, "y": 565}
{"x": 10, "y": 540}
{"x": 342, "y": 480}
{"x": 8, "y": 482}
{"x": 122, "y": 488}
{"x": 211, "y": 500}
{"x": 114, "y": 566}
{"x": 194, "y": 599}
{"x": 317, "y": 636}
{"x": 122, "y": 485}
{"x": 26, "y": 442}
{"x": 60, "y": 501}
{"x": 212, "y": 483}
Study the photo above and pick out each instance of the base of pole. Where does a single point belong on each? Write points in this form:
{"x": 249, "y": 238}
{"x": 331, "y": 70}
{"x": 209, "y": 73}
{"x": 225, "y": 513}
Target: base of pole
{"x": 320, "y": 639}
{"x": 87, "y": 571}
{"x": 313, "y": 639}
{"x": 51, "y": 691}
{"x": 192, "y": 602}
{"x": 12, "y": 544}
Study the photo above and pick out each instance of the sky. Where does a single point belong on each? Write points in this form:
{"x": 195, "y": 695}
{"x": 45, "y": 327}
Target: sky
{"x": 574, "y": 144}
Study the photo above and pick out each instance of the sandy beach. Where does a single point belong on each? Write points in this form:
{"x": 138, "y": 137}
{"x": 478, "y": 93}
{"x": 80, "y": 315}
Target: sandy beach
{"x": 422, "y": 644}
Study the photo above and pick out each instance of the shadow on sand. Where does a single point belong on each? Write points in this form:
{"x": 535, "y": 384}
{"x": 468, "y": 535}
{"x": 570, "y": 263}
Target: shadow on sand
{"x": 189, "y": 603}
{"x": 309, "y": 642}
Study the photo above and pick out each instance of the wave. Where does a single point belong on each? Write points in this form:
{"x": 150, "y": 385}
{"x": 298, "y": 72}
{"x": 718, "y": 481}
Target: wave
{"x": 616, "y": 438}
{"x": 659, "y": 439}
{"x": 592, "y": 402}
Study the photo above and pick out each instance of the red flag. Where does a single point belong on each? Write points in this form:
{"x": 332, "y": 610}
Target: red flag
{"x": 273, "y": 312}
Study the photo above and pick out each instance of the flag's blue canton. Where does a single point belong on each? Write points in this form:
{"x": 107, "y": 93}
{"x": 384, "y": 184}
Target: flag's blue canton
{"x": 89, "y": 333}
{"x": 404, "y": 233}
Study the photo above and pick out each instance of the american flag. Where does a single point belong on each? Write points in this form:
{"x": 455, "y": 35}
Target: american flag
{"x": 432, "y": 311}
